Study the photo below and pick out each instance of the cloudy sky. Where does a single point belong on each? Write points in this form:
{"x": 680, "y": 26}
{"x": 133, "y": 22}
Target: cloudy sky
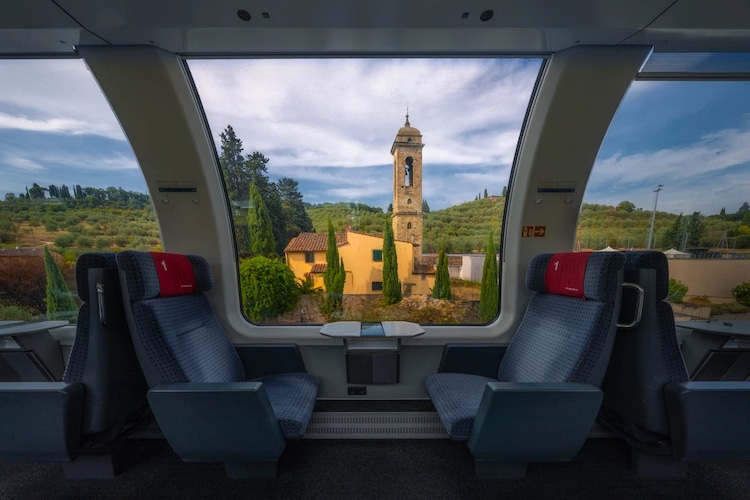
{"x": 330, "y": 125}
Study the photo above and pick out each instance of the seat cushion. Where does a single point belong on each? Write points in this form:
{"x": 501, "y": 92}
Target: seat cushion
{"x": 292, "y": 397}
{"x": 456, "y": 397}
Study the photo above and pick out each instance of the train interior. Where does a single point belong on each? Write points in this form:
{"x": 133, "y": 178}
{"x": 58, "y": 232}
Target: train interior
{"x": 174, "y": 163}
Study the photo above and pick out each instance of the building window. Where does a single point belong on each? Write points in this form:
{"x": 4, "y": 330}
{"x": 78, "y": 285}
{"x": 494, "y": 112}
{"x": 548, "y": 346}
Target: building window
{"x": 377, "y": 286}
{"x": 408, "y": 202}
{"x": 377, "y": 256}
{"x": 309, "y": 257}
{"x": 408, "y": 225}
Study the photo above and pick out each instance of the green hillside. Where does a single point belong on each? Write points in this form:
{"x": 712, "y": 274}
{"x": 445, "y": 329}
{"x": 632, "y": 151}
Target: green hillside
{"x": 465, "y": 227}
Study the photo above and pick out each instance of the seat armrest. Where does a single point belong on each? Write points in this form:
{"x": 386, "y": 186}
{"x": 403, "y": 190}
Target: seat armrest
{"x": 218, "y": 422}
{"x": 473, "y": 359}
{"x": 267, "y": 359}
{"x": 709, "y": 420}
{"x": 41, "y": 421}
{"x": 533, "y": 422}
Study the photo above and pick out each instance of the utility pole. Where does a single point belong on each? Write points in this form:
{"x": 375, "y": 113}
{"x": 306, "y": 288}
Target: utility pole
{"x": 653, "y": 216}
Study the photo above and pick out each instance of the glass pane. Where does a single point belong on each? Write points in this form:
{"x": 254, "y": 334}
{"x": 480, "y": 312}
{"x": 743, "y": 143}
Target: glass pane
{"x": 421, "y": 147}
{"x": 673, "y": 174}
{"x": 71, "y": 185}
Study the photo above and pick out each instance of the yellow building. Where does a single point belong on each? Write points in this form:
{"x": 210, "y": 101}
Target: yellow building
{"x": 363, "y": 253}
{"x": 363, "y": 261}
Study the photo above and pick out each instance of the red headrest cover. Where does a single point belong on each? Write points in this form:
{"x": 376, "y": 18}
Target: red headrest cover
{"x": 566, "y": 273}
{"x": 176, "y": 275}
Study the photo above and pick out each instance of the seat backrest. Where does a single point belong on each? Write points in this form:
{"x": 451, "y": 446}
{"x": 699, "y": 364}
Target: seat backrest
{"x": 102, "y": 358}
{"x": 175, "y": 332}
{"x": 568, "y": 328}
{"x": 645, "y": 357}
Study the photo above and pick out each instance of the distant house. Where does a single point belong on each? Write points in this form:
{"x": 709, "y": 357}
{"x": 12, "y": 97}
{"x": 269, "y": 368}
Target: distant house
{"x": 363, "y": 261}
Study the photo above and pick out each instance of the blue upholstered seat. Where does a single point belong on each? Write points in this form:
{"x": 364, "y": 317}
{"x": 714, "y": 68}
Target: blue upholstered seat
{"x": 648, "y": 398}
{"x": 563, "y": 339}
{"x": 102, "y": 396}
{"x": 180, "y": 341}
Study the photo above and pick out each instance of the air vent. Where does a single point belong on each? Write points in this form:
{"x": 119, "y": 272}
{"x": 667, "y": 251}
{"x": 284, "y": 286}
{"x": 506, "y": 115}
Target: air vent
{"x": 376, "y": 425}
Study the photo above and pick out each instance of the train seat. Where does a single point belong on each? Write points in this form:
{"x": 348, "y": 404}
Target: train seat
{"x": 82, "y": 420}
{"x": 214, "y": 401}
{"x": 649, "y": 400}
{"x": 540, "y": 403}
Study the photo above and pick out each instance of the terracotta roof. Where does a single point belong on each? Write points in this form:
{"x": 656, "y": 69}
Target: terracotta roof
{"x": 318, "y": 268}
{"x": 313, "y": 242}
{"x": 430, "y": 259}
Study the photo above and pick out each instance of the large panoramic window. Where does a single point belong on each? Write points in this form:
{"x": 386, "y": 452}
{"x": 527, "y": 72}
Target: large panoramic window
{"x": 70, "y": 184}
{"x": 673, "y": 174}
{"x": 405, "y": 159}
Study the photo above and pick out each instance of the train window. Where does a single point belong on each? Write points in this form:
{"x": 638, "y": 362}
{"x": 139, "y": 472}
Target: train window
{"x": 70, "y": 184}
{"x": 422, "y": 145}
{"x": 673, "y": 174}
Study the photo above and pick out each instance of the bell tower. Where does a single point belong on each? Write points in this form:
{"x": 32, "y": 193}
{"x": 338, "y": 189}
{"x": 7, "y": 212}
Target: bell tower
{"x": 407, "y": 187}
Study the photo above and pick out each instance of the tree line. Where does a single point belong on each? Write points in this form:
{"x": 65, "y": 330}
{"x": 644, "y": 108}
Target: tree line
{"x": 91, "y": 197}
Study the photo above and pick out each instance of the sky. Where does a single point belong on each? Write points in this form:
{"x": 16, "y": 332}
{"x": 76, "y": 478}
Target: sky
{"x": 329, "y": 124}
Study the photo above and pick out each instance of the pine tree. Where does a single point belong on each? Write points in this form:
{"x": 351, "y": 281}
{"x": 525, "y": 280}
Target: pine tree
{"x": 232, "y": 163}
{"x": 60, "y": 303}
{"x": 259, "y": 229}
{"x": 334, "y": 277}
{"x": 489, "y": 296}
{"x": 295, "y": 216}
{"x": 442, "y": 288}
{"x": 391, "y": 284}
{"x": 673, "y": 234}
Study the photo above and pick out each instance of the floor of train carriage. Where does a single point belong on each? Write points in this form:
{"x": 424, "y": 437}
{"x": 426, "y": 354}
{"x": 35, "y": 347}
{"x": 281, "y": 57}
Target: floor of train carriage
{"x": 333, "y": 469}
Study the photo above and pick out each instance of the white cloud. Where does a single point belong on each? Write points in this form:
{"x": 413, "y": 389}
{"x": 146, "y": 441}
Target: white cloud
{"x": 23, "y": 164}
{"x": 58, "y": 96}
{"x": 696, "y": 176}
{"x": 347, "y": 112}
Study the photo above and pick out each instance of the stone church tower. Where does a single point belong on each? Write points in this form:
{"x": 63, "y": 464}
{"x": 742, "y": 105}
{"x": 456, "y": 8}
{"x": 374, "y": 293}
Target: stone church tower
{"x": 407, "y": 187}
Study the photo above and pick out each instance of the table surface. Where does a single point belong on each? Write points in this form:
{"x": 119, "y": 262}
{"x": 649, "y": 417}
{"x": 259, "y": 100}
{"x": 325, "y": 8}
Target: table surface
{"x": 13, "y": 329}
{"x": 732, "y": 328}
{"x": 353, "y": 329}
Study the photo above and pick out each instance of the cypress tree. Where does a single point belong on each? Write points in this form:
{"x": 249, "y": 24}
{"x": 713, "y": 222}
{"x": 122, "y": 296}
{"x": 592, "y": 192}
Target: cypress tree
{"x": 391, "y": 284}
{"x": 259, "y": 229}
{"x": 60, "y": 303}
{"x": 334, "y": 277}
{"x": 442, "y": 289}
{"x": 489, "y": 296}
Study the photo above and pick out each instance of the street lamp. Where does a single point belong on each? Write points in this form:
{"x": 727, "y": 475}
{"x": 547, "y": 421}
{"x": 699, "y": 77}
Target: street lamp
{"x": 653, "y": 215}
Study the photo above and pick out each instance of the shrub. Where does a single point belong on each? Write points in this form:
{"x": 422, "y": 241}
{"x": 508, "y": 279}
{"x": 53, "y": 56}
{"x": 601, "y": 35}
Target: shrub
{"x": 84, "y": 242}
{"x": 741, "y": 293}
{"x": 65, "y": 240}
{"x": 677, "y": 290}
{"x": 268, "y": 288}
{"x": 307, "y": 286}
{"x": 700, "y": 300}
{"x": 102, "y": 242}
{"x": 14, "y": 313}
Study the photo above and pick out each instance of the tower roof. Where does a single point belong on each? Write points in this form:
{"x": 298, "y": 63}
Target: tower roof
{"x": 407, "y": 129}
{"x": 407, "y": 135}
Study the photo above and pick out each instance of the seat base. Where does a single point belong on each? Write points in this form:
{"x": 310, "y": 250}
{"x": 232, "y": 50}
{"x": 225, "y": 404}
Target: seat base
{"x": 495, "y": 469}
{"x": 257, "y": 470}
{"x": 103, "y": 466}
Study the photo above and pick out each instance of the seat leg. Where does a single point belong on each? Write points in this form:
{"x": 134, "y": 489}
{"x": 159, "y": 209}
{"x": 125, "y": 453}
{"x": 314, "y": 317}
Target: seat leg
{"x": 495, "y": 469}
{"x": 103, "y": 466}
{"x": 645, "y": 465}
{"x": 256, "y": 470}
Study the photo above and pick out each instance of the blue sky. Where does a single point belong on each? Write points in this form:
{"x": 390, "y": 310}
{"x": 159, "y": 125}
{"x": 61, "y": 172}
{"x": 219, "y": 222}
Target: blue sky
{"x": 330, "y": 125}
